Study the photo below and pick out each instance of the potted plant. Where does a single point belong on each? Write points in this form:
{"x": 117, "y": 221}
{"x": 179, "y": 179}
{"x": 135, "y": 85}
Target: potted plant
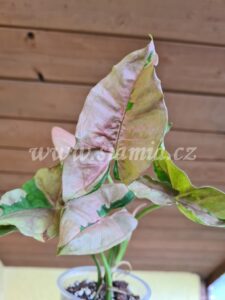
{"x": 116, "y": 156}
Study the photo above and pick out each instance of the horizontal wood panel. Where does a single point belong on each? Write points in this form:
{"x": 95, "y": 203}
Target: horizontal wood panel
{"x": 62, "y": 102}
{"x": 201, "y": 172}
{"x": 30, "y": 134}
{"x": 68, "y": 57}
{"x": 9, "y": 181}
{"x": 199, "y": 21}
{"x": 43, "y": 101}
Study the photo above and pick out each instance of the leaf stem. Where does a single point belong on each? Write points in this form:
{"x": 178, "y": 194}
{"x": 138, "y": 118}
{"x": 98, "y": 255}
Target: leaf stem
{"x": 110, "y": 178}
{"x": 122, "y": 251}
{"x": 108, "y": 276}
{"x": 146, "y": 210}
{"x": 99, "y": 280}
{"x": 111, "y": 255}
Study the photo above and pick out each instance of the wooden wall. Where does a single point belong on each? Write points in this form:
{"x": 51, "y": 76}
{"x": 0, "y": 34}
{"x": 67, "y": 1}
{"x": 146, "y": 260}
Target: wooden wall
{"x": 53, "y": 51}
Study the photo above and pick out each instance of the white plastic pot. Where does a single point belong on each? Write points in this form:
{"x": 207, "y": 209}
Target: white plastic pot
{"x": 137, "y": 285}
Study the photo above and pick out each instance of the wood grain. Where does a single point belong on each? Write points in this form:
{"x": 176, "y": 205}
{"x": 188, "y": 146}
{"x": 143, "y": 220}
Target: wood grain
{"x": 198, "y": 21}
{"x": 85, "y": 58}
{"x": 61, "y": 102}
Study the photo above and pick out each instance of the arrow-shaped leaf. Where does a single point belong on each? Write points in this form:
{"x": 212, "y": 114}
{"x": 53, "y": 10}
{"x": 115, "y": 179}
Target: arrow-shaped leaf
{"x": 204, "y": 205}
{"x": 31, "y": 209}
{"x": 85, "y": 227}
{"x": 124, "y": 115}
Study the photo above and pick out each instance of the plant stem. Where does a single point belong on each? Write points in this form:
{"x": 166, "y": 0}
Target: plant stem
{"x": 146, "y": 210}
{"x": 110, "y": 257}
{"x": 98, "y": 270}
{"x": 123, "y": 246}
{"x": 122, "y": 251}
{"x": 108, "y": 277}
{"x": 110, "y": 178}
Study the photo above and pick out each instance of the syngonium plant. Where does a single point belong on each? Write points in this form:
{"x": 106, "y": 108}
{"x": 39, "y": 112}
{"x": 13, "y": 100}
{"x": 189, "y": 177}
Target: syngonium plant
{"x": 104, "y": 167}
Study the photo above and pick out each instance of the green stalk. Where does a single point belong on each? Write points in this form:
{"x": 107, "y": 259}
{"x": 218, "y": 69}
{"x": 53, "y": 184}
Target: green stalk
{"x": 122, "y": 251}
{"x": 108, "y": 277}
{"x": 146, "y": 210}
{"x": 110, "y": 178}
{"x": 123, "y": 246}
{"x": 99, "y": 281}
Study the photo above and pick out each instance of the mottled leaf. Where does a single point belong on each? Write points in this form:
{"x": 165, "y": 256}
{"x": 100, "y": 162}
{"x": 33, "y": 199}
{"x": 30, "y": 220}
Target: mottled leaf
{"x": 37, "y": 223}
{"x": 30, "y": 209}
{"x": 168, "y": 173}
{"x": 204, "y": 205}
{"x": 49, "y": 181}
{"x": 87, "y": 213}
{"x": 63, "y": 141}
{"x": 145, "y": 188}
{"x": 101, "y": 236}
{"x": 123, "y": 114}
{"x": 4, "y": 230}
{"x": 83, "y": 172}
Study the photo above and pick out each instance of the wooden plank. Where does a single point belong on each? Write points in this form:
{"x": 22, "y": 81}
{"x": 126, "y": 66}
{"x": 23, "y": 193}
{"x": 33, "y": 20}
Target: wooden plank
{"x": 84, "y": 58}
{"x": 193, "y": 145}
{"x": 61, "y": 102}
{"x": 198, "y": 21}
{"x": 9, "y": 181}
{"x": 30, "y": 134}
{"x": 21, "y": 161}
{"x": 204, "y": 173}
{"x": 48, "y": 101}
{"x": 201, "y": 172}
{"x": 196, "y": 112}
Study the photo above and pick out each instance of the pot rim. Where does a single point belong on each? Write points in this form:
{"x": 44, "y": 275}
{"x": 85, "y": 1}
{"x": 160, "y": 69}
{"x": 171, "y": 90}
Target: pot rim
{"x": 93, "y": 269}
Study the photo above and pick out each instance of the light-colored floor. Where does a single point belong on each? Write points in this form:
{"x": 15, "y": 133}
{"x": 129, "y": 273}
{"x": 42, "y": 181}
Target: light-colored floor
{"x": 40, "y": 284}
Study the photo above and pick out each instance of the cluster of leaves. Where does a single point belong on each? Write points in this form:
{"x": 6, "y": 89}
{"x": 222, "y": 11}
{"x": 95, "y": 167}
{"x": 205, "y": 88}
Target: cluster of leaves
{"x": 83, "y": 201}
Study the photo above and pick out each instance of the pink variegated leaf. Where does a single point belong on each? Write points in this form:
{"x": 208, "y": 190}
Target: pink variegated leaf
{"x": 84, "y": 172}
{"x": 90, "y": 213}
{"x": 146, "y": 188}
{"x": 40, "y": 223}
{"x": 63, "y": 141}
{"x": 102, "y": 235}
{"x": 125, "y": 114}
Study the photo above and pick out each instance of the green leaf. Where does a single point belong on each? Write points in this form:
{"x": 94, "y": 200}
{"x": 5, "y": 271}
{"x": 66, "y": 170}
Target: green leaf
{"x": 116, "y": 171}
{"x": 4, "y": 230}
{"x": 168, "y": 173}
{"x": 129, "y": 106}
{"x": 30, "y": 209}
{"x": 204, "y": 205}
{"x": 32, "y": 198}
{"x": 49, "y": 181}
{"x": 207, "y": 203}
